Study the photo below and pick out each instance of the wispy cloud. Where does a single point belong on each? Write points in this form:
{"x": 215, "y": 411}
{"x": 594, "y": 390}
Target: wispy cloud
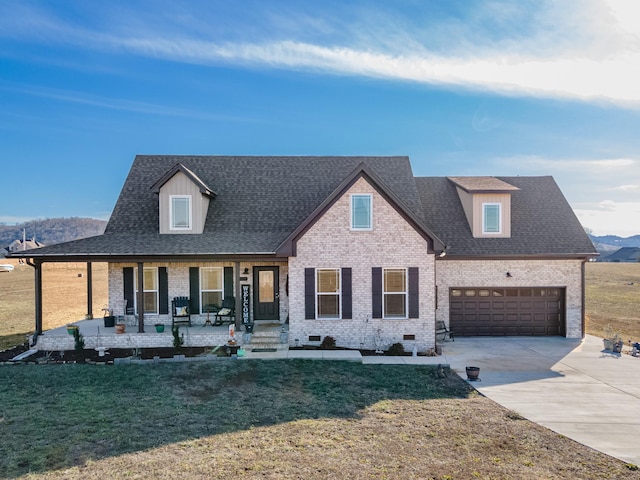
{"x": 70, "y": 96}
{"x": 585, "y": 51}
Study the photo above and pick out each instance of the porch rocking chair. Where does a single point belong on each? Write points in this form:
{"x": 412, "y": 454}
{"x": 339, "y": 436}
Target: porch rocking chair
{"x": 180, "y": 311}
{"x": 227, "y": 313}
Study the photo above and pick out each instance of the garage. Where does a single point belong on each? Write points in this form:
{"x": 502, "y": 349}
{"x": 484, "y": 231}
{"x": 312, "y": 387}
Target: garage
{"x": 506, "y": 311}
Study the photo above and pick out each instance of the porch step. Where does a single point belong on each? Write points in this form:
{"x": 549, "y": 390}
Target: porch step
{"x": 267, "y": 340}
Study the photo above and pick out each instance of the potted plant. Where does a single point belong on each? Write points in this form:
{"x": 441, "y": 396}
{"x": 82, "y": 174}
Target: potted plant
{"x": 109, "y": 319}
{"x": 612, "y": 341}
{"x": 120, "y": 327}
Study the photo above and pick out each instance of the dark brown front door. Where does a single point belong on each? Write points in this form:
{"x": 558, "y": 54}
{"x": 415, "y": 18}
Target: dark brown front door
{"x": 506, "y": 311}
{"x": 266, "y": 296}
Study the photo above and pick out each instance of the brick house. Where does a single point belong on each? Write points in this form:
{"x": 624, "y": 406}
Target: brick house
{"x": 356, "y": 248}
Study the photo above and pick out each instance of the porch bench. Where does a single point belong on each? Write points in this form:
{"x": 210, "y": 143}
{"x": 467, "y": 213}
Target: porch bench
{"x": 443, "y": 331}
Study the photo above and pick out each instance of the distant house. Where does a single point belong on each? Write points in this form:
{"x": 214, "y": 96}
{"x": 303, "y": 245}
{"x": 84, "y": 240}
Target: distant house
{"x": 20, "y": 245}
{"x": 348, "y": 247}
{"x": 624, "y": 254}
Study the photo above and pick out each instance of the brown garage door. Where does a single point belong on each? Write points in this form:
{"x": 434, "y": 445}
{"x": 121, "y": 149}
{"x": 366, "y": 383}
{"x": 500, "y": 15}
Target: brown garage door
{"x": 506, "y": 311}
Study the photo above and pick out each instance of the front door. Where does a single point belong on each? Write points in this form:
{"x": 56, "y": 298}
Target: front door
{"x": 266, "y": 296}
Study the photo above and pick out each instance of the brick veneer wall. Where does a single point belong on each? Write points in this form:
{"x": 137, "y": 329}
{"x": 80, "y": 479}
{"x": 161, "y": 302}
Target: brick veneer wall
{"x": 393, "y": 243}
{"x": 524, "y": 273}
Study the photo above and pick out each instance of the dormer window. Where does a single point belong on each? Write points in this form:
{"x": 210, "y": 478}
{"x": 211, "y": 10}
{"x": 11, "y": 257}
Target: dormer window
{"x": 180, "y": 212}
{"x": 491, "y": 218}
{"x": 361, "y": 212}
{"x": 486, "y": 202}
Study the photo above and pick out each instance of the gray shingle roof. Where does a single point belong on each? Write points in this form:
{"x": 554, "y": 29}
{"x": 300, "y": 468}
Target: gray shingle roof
{"x": 261, "y": 201}
{"x": 542, "y": 221}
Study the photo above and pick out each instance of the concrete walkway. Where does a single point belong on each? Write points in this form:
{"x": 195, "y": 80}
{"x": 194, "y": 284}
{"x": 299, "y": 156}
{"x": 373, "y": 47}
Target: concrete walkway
{"x": 572, "y": 387}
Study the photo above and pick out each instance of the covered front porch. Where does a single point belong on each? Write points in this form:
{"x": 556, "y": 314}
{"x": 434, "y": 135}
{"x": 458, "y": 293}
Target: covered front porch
{"x": 97, "y": 336}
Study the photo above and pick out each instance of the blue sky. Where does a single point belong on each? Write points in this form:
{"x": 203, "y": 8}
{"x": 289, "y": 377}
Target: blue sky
{"x": 462, "y": 88}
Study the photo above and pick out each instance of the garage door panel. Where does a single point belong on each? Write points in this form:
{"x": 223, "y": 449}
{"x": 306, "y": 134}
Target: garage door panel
{"x": 507, "y": 311}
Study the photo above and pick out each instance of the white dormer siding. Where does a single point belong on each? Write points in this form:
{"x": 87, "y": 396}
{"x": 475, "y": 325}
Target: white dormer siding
{"x": 182, "y": 188}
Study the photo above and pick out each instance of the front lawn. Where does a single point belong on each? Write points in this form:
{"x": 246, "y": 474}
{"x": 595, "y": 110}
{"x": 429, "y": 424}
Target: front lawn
{"x": 271, "y": 419}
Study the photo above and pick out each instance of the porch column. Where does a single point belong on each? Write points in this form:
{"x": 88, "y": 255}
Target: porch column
{"x": 37, "y": 269}
{"x": 140, "y": 297}
{"x": 38, "y": 298}
{"x": 238, "y": 294}
{"x": 89, "y": 291}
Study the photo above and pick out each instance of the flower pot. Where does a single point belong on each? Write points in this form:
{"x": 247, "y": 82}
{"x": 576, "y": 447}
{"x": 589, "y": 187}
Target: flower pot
{"x": 119, "y": 327}
{"x": 159, "y": 327}
{"x": 109, "y": 321}
{"x": 71, "y": 329}
{"x": 473, "y": 373}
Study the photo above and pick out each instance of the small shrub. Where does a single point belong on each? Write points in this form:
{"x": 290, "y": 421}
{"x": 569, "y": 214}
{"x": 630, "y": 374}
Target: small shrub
{"x": 178, "y": 338}
{"x": 78, "y": 340}
{"x": 328, "y": 343}
{"x": 396, "y": 350}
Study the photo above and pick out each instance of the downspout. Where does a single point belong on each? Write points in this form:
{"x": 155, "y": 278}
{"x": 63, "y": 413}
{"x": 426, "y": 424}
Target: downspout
{"x": 38, "y": 298}
{"x": 584, "y": 291}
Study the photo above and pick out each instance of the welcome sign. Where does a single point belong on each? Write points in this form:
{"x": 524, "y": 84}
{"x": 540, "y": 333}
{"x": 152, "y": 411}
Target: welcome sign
{"x": 246, "y": 296}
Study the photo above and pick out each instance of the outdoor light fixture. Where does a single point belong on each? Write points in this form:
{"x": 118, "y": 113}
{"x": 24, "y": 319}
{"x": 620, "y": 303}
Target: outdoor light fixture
{"x": 246, "y": 271}
{"x": 508, "y": 275}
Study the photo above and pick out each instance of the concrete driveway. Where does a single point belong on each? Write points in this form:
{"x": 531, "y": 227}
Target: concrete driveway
{"x": 572, "y": 387}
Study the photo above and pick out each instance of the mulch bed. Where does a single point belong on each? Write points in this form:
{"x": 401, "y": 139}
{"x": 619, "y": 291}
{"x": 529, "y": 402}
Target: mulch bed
{"x": 93, "y": 356}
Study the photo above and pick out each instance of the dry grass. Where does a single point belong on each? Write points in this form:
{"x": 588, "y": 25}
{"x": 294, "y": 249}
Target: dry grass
{"x": 64, "y": 297}
{"x": 272, "y": 419}
{"x": 613, "y": 299}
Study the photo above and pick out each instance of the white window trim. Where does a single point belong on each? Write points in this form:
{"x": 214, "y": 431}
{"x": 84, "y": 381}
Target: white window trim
{"x": 361, "y": 229}
{"x": 156, "y": 291}
{"x": 405, "y": 293}
{"x": 338, "y": 293}
{"x": 488, "y": 204}
{"x": 171, "y": 212}
{"x": 202, "y": 290}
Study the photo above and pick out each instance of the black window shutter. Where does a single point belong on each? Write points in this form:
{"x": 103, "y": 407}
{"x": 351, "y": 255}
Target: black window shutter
{"x": 194, "y": 289}
{"x": 309, "y": 293}
{"x": 346, "y": 293}
{"x": 414, "y": 293}
{"x": 163, "y": 291}
{"x": 376, "y": 292}
{"x": 228, "y": 282}
{"x": 127, "y": 280}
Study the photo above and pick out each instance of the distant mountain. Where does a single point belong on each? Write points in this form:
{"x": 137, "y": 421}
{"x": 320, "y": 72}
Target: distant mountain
{"x": 616, "y": 241}
{"x": 52, "y": 230}
{"x": 608, "y": 244}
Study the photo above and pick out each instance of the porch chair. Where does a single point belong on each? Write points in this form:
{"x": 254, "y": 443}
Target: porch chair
{"x": 227, "y": 313}
{"x": 180, "y": 311}
{"x": 443, "y": 331}
{"x": 130, "y": 315}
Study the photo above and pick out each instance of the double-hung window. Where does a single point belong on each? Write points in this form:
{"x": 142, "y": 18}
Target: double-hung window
{"x": 149, "y": 289}
{"x": 395, "y": 293}
{"x": 211, "y": 287}
{"x": 491, "y": 218}
{"x": 328, "y": 293}
{"x": 180, "y": 212}
{"x": 361, "y": 212}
